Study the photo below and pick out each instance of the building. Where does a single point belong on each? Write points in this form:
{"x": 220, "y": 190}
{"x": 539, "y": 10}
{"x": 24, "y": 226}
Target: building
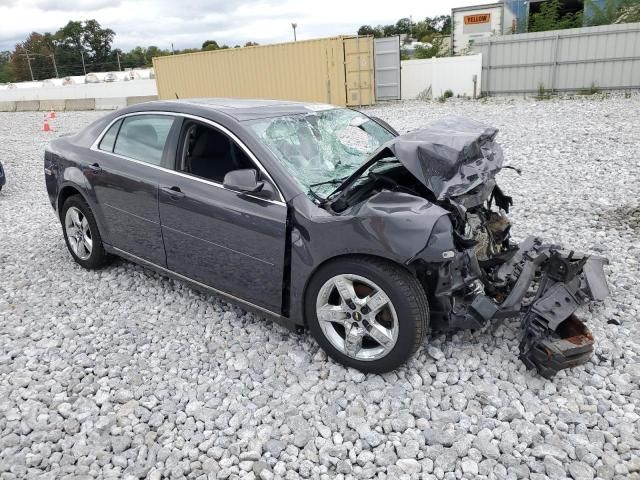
{"x": 477, "y": 21}
{"x": 500, "y": 18}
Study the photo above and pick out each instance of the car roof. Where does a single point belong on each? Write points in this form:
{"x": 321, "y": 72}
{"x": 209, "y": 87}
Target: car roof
{"x": 247, "y": 109}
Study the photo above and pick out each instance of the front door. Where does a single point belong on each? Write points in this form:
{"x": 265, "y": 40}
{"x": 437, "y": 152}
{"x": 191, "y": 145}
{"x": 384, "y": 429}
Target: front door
{"x": 126, "y": 182}
{"x": 230, "y": 241}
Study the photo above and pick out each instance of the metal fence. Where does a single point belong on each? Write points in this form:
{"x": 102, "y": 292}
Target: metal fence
{"x": 605, "y": 57}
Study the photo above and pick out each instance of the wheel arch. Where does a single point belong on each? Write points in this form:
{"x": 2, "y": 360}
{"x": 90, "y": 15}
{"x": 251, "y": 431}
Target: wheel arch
{"x": 69, "y": 189}
{"x": 66, "y": 192}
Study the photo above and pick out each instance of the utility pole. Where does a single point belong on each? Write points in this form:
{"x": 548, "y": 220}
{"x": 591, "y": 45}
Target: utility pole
{"x": 55, "y": 67}
{"x": 84, "y": 68}
{"x": 29, "y": 63}
{"x": 118, "y": 57}
{"x": 294, "y": 25}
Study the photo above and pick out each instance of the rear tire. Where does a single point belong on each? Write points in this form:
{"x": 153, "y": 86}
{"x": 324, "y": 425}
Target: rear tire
{"x": 367, "y": 313}
{"x": 81, "y": 234}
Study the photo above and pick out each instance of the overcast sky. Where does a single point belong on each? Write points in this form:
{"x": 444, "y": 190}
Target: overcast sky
{"x": 188, "y": 23}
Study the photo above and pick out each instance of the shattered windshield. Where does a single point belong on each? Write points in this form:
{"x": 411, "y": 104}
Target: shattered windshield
{"x": 321, "y": 148}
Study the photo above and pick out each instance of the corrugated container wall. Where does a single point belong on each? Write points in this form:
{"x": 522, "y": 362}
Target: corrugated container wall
{"x": 310, "y": 70}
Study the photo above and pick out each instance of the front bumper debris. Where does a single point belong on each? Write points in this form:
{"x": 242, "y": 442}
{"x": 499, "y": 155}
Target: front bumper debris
{"x": 553, "y": 336}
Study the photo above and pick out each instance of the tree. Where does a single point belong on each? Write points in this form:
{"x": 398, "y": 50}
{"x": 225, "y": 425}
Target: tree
{"x": 403, "y": 26}
{"x": 69, "y": 49}
{"x": 608, "y": 12}
{"x": 548, "y": 18}
{"x": 6, "y": 70}
{"x": 251, "y": 44}
{"x": 629, "y": 14}
{"x": 424, "y": 30}
{"x": 35, "y": 50}
{"x": 369, "y": 30}
{"x": 445, "y": 26}
{"x": 209, "y": 45}
{"x": 435, "y": 50}
{"x": 97, "y": 41}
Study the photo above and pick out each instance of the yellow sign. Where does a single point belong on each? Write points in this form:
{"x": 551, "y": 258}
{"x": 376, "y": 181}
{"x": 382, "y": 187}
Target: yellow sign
{"x": 477, "y": 18}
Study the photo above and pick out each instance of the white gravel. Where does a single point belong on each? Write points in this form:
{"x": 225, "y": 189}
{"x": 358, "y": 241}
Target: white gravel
{"x": 125, "y": 374}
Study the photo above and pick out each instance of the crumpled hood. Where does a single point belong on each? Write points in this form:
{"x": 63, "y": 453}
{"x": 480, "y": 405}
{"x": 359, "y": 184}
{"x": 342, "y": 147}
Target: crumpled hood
{"x": 451, "y": 157}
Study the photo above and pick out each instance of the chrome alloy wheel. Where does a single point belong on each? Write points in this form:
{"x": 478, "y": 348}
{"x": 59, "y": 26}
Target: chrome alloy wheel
{"x": 78, "y": 233}
{"x": 357, "y": 317}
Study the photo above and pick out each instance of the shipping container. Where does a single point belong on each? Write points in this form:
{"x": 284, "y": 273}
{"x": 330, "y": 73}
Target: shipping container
{"x": 335, "y": 70}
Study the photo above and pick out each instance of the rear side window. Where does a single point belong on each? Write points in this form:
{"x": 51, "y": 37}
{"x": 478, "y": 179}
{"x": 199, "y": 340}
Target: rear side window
{"x": 109, "y": 139}
{"x": 142, "y": 137}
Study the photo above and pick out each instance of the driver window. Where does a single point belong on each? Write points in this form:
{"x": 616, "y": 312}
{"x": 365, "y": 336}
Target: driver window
{"x": 208, "y": 153}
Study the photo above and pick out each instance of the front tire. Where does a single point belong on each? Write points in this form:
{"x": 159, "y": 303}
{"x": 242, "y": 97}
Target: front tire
{"x": 367, "y": 313}
{"x": 81, "y": 234}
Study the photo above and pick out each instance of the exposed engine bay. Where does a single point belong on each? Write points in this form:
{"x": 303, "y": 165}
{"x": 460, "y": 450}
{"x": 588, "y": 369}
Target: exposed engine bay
{"x": 475, "y": 275}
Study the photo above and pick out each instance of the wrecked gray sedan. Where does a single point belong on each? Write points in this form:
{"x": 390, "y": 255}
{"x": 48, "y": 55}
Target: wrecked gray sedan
{"x": 321, "y": 217}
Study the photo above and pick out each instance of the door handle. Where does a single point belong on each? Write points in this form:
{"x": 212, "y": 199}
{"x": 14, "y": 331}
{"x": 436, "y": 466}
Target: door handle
{"x": 95, "y": 168}
{"x": 174, "y": 192}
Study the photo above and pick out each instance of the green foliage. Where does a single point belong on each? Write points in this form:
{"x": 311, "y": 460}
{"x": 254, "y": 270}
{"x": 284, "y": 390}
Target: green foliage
{"x": 629, "y": 13}
{"x": 592, "y": 90}
{"x": 548, "y": 18}
{"x": 97, "y": 41}
{"x": 612, "y": 11}
{"x": 423, "y": 30}
{"x": 6, "y": 70}
{"x": 542, "y": 92}
{"x": 369, "y": 30}
{"x": 435, "y": 50}
{"x": 210, "y": 45}
{"x": 447, "y": 94}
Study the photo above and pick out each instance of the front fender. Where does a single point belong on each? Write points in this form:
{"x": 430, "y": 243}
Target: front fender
{"x": 391, "y": 225}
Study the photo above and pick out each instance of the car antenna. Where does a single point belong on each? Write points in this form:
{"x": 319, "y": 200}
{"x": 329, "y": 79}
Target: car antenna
{"x": 176, "y": 94}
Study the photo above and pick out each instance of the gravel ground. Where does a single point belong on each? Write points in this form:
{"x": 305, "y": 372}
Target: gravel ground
{"x": 122, "y": 373}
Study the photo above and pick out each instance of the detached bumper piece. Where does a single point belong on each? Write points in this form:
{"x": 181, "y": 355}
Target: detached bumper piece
{"x": 554, "y": 338}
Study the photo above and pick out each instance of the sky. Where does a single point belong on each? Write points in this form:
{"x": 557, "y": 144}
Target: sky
{"x": 188, "y": 23}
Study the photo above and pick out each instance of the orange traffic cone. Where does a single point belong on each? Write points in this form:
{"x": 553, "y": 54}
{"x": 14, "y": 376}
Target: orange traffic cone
{"x": 52, "y": 114}
{"x": 46, "y": 127}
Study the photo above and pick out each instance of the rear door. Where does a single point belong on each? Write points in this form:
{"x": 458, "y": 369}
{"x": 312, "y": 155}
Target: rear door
{"x": 126, "y": 183}
{"x": 232, "y": 242}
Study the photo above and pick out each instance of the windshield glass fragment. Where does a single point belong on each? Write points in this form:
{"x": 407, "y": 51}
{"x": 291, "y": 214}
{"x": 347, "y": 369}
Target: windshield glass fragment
{"x": 321, "y": 147}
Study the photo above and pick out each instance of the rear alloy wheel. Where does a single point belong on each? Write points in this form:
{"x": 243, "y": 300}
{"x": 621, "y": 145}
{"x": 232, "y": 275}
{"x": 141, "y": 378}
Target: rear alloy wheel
{"x": 81, "y": 233}
{"x": 367, "y": 313}
{"x": 78, "y": 233}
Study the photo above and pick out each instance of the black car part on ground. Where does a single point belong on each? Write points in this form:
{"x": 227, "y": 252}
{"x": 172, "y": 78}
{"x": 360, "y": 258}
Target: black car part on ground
{"x": 3, "y": 178}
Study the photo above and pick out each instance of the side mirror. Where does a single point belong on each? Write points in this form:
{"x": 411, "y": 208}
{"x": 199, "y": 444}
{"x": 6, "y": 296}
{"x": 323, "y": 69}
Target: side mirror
{"x": 245, "y": 181}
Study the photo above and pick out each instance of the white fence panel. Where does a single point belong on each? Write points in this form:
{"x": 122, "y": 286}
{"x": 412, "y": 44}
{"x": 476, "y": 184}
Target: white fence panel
{"x": 415, "y": 78}
{"x": 456, "y": 74}
{"x": 434, "y": 76}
